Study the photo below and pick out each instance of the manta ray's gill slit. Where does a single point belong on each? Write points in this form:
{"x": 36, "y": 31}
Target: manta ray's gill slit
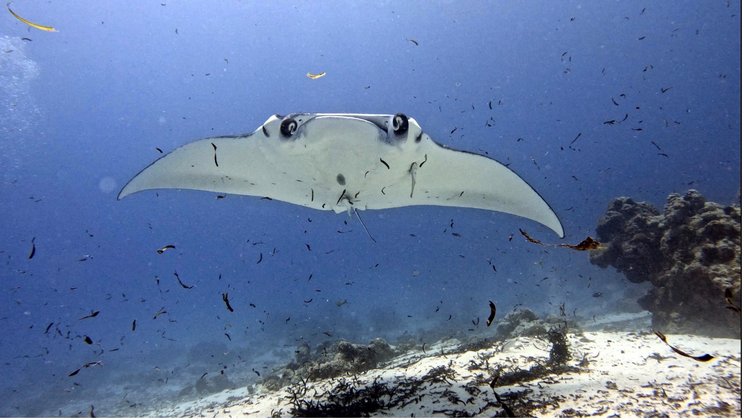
{"x": 312, "y": 195}
{"x": 385, "y": 163}
{"x": 215, "y": 155}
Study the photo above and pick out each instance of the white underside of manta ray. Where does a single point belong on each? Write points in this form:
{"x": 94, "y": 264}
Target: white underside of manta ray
{"x": 345, "y": 162}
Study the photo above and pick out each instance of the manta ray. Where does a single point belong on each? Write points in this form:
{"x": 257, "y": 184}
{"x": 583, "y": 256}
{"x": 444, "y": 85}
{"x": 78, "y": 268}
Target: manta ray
{"x": 344, "y": 163}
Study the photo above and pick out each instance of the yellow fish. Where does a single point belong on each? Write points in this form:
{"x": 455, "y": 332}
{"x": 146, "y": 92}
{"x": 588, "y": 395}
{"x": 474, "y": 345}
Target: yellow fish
{"x": 29, "y": 23}
{"x": 315, "y": 76}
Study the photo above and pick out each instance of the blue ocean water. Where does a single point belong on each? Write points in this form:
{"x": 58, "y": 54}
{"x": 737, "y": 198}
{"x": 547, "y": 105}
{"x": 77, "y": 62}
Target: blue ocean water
{"x": 82, "y": 110}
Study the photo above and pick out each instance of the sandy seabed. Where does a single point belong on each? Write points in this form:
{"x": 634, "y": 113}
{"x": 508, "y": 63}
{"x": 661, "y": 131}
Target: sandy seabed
{"x": 609, "y": 374}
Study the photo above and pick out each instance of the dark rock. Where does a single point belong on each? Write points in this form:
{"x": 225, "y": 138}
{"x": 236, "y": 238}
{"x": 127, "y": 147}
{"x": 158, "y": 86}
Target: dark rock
{"x": 691, "y": 254}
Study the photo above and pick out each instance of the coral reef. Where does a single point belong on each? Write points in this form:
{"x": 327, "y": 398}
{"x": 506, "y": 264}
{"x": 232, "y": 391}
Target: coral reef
{"x": 331, "y": 360}
{"x": 690, "y": 253}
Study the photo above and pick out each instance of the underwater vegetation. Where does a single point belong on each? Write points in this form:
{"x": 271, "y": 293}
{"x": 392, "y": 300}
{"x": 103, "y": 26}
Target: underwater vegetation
{"x": 347, "y": 394}
{"x": 691, "y": 255}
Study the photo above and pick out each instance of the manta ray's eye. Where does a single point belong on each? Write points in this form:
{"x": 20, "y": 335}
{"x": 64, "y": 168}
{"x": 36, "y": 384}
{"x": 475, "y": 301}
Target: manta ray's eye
{"x": 400, "y": 124}
{"x": 288, "y": 127}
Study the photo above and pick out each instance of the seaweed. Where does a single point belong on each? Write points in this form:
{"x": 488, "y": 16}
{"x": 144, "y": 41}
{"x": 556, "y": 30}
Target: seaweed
{"x": 351, "y": 398}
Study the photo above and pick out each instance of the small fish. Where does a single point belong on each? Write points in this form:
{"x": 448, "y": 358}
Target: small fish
{"x": 26, "y": 39}
{"x": 228, "y": 336}
{"x": 314, "y": 76}
{"x": 703, "y": 358}
{"x": 574, "y": 140}
{"x": 33, "y": 248}
{"x": 165, "y": 248}
{"x": 260, "y": 258}
{"x": 414, "y": 42}
{"x": 728, "y": 296}
{"x": 492, "y": 315}
{"x": 180, "y": 282}
{"x": 597, "y": 294}
{"x": 341, "y": 302}
{"x": 29, "y": 23}
{"x": 48, "y": 327}
{"x": 87, "y": 340}
{"x": 159, "y": 149}
{"x": 160, "y": 311}
{"x": 665, "y": 90}
{"x": 134, "y": 324}
{"x": 92, "y": 314}
{"x": 227, "y": 302}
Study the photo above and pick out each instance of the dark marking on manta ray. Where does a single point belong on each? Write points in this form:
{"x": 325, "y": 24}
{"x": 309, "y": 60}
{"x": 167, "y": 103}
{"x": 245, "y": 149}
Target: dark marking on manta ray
{"x": 383, "y": 190}
{"x": 343, "y": 194}
{"x": 312, "y": 195}
{"x": 265, "y": 131}
{"x": 426, "y": 157}
{"x": 385, "y": 163}
{"x": 575, "y": 138}
{"x": 215, "y": 155}
{"x": 341, "y": 180}
{"x": 260, "y": 258}
{"x": 134, "y": 325}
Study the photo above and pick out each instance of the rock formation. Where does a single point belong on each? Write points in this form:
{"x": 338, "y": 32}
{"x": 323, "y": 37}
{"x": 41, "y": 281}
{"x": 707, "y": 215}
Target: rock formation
{"x": 691, "y": 254}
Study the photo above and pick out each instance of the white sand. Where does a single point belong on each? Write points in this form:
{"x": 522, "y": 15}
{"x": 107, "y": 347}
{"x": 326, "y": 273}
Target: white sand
{"x": 623, "y": 374}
